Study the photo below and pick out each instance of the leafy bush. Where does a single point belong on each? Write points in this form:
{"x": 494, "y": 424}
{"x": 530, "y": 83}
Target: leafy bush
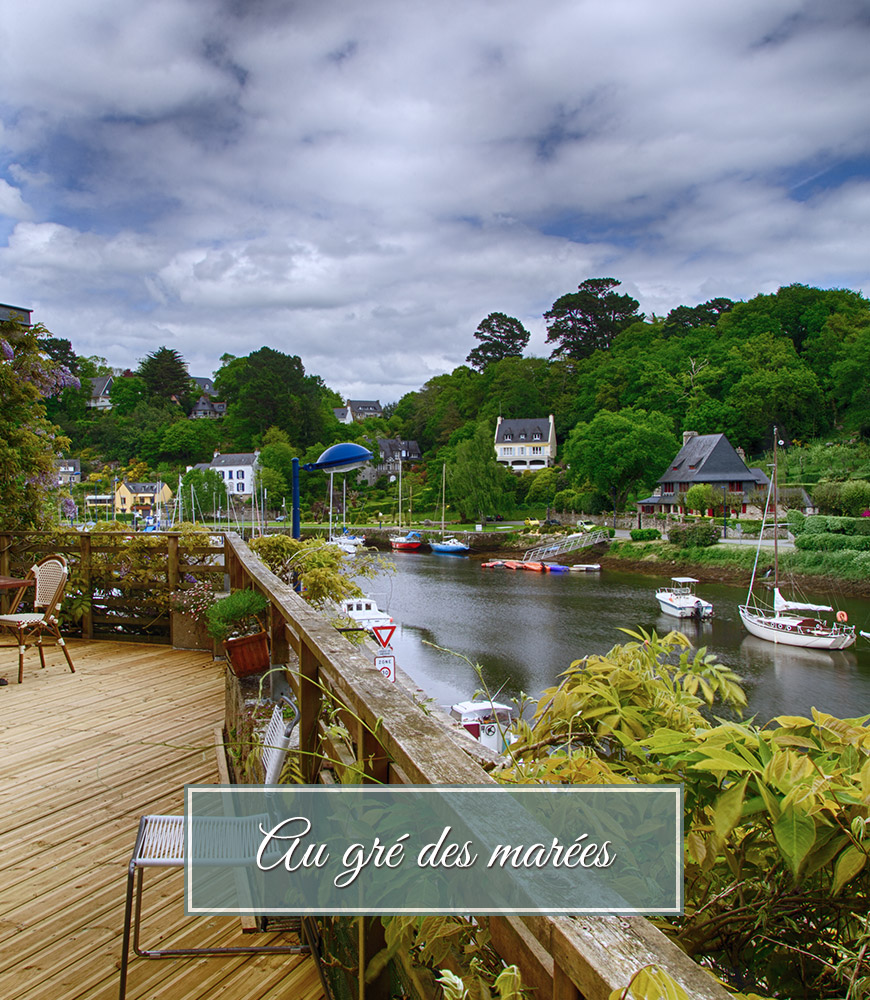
{"x": 826, "y": 496}
{"x": 645, "y": 534}
{"x": 796, "y": 521}
{"x": 688, "y": 536}
{"x": 831, "y": 542}
{"x": 855, "y": 497}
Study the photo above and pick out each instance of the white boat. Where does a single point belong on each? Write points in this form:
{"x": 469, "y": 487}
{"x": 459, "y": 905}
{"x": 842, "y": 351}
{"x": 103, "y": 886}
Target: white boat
{"x": 489, "y": 722}
{"x": 349, "y": 544}
{"x": 364, "y": 611}
{"x": 780, "y": 623}
{"x": 681, "y": 601}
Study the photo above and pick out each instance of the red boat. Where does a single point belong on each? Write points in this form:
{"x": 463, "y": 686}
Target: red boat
{"x": 407, "y": 543}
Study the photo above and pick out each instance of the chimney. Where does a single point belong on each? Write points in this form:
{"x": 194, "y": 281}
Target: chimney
{"x": 687, "y": 436}
{"x": 741, "y": 454}
{"x": 217, "y": 453}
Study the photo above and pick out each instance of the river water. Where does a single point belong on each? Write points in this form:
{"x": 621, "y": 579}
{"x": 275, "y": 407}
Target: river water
{"x": 524, "y": 629}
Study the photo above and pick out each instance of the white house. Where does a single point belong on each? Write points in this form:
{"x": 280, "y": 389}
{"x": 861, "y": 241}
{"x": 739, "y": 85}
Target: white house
{"x": 100, "y": 389}
{"x": 358, "y": 409}
{"x": 237, "y": 470}
{"x": 526, "y": 445}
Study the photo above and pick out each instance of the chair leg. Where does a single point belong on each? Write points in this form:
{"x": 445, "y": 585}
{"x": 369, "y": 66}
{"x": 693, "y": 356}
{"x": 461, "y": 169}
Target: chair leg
{"x": 62, "y": 644}
{"x": 41, "y": 651}
{"x": 125, "y": 947}
{"x": 21, "y": 649}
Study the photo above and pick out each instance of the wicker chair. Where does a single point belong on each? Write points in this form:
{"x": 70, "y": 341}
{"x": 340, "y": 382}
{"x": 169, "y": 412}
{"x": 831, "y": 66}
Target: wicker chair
{"x": 160, "y": 844}
{"x": 30, "y": 628}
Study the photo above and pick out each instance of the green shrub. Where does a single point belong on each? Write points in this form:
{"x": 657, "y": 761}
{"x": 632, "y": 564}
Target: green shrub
{"x": 796, "y": 522}
{"x": 694, "y": 535}
{"x": 831, "y": 542}
{"x": 241, "y": 611}
{"x": 750, "y": 528}
{"x": 855, "y": 497}
{"x": 645, "y": 534}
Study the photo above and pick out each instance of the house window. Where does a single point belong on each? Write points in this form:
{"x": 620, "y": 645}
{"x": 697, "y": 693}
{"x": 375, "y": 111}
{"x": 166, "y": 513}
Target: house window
{"x": 521, "y": 451}
{"x": 537, "y": 451}
{"x": 735, "y": 487}
{"x": 684, "y": 487}
{"x": 536, "y": 436}
{"x": 667, "y": 487}
{"x": 240, "y": 474}
{"x": 507, "y": 451}
{"x": 522, "y": 435}
{"x": 240, "y": 487}
{"x": 508, "y": 437}
{"x": 229, "y": 473}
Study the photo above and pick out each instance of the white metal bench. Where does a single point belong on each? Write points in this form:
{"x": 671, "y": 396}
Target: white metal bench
{"x": 160, "y": 844}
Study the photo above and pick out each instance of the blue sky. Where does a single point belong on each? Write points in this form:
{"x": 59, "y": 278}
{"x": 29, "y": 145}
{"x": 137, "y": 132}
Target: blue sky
{"x": 362, "y": 183}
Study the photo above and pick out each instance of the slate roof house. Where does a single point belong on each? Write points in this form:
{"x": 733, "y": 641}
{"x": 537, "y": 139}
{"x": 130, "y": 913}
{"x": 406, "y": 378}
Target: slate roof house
{"x": 358, "y": 409}
{"x": 526, "y": 445}
{"x": 704, "y": 458}
{"x": 142, "y": 498}
{"x": 100, "y": 389}
{"x": 206, "y": 407}
{"x": 8, "y": 313}
{"x": 69, "y": 470}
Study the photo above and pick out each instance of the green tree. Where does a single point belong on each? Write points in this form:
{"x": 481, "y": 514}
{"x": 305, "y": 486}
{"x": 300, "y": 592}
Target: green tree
{"x": 700, "y": 497}
{"x": 268, "y": 388}
{"x": 29, "y": 442}
{"x": 545, "y": 485}
{"x": 273, "y": 483}
{"x": 500, "y": 337}
{"x": 126, "y": 392}
{"x": 587, "y": 320}
{"x": 164, "y": 372}
{"x": 475, "y": 483}
{"x": 618, "y": 452}
{"x": 203, "y": 488}
{"x": 189, "y": 441}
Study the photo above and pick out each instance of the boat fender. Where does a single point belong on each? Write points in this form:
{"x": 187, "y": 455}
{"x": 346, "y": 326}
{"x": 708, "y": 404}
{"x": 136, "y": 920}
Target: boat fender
{"x": 842, "y": 616}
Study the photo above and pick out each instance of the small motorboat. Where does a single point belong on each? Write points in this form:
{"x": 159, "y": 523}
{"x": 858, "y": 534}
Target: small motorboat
{"x": 535, "y": 567}
{"x": 556, "y": 568}
{"x": 449, "y": 546}
{"x": 493, "y": 564}
{"x": 364, "y": 611}
{"x": 407, "y": 543}
{"x": 512, "y": 564}
{"x": 681, "y": 601}
{"x": 586, "y": 568}
{"x": 489, "y": 722}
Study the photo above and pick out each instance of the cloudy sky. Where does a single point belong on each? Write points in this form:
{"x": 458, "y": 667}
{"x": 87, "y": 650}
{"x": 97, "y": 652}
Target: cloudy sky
{"x": 360, "y": 182}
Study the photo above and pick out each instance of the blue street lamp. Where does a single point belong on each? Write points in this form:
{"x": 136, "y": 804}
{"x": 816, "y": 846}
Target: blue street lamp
{"x": 342, "y": 457}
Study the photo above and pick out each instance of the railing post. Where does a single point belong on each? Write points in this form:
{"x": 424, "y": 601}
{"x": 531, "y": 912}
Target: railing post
{"x": 172, "y": 569}
{"x": 310, "y": 698}
{"x": 87, "y": 614}
{"x": 5, "y": 546}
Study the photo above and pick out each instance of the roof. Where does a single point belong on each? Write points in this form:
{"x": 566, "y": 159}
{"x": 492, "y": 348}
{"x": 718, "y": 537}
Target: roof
{"x": 392, "y": 448}
{"x": 99, "y": 384}
{"x": 707, "y": 458}
{"x": 364, "y": 404}
{"x": 143, "y": 487}
{"x": 69, "y": 463}
{"x": 206, "y": 384}
{"x": 8, "y": 312}
{"x": 529, "y": 426}
{"x": 239, "y": 458}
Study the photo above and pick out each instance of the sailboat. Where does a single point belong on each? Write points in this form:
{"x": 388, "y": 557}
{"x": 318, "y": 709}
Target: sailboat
{"x": 786, "y": 621}
{"x": 411, "y": 541}
{"x": 451, "y": 545}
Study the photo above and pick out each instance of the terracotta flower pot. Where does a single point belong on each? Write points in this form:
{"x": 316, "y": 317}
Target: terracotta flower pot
{"x": 248, "y": 654}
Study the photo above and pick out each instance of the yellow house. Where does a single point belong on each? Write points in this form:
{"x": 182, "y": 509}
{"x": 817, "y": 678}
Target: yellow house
{"x": 140, "y": 497}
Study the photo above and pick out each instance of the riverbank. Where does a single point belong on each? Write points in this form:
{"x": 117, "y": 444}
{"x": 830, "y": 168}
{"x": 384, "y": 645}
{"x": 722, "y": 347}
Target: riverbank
{"x": 725, "y": 563}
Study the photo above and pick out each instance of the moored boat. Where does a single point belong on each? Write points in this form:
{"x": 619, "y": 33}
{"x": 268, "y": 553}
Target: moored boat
{"x": 780, "y": 624}
{"x": 407, "y": 543}
{"x": 535, "y": 567}
{"x": 681, "y": 601}
{"x": 364, "y": 611}
{"x": 449, "y": 546}
{"x": 489, "y": 722}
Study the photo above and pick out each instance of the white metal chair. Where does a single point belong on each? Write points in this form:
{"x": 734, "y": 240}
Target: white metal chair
{"x": 160, "y": 844}
{"x": 50, "y": 575}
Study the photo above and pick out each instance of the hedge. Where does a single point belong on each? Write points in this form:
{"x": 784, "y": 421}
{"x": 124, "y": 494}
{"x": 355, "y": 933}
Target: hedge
{"x": 645, "y": 534}
{"x": 831, "y": 542}
{"x": 689, "y": 536}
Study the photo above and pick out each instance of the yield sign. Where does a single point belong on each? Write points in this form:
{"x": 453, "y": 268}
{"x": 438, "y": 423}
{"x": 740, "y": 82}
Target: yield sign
{"x": 383, "y": 633}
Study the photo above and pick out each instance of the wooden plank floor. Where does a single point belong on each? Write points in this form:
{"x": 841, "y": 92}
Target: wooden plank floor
{"x": 83, "y": 756}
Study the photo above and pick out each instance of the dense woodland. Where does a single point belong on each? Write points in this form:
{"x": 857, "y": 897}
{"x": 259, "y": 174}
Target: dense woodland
{"x": 622, "y": 388}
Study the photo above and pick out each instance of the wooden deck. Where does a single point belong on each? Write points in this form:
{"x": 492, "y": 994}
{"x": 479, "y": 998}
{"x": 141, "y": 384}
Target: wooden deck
{"x": 83, "y": 756}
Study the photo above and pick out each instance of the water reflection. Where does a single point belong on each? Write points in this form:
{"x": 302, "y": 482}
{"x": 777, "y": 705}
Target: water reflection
{"x": 525, "y": 628}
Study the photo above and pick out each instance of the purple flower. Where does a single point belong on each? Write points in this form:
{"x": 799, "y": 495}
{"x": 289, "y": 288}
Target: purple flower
{"x": 6, "y": 351}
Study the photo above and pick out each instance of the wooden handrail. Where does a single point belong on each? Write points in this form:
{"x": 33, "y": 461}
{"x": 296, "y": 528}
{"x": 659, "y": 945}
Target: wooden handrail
{"x": 577, "y": 958}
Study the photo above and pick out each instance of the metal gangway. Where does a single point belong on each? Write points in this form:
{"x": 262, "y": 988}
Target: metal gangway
{"x": 571, "y": 543}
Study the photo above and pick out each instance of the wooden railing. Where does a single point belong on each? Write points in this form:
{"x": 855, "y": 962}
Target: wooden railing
{"x": 122, "y": 580}
{"x": 562, "y": 958}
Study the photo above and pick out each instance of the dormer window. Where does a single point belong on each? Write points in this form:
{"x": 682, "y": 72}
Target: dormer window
{"x": 508, "y": 437}
{"x": 522, "y": 435}
{"x": 536, "y": 436}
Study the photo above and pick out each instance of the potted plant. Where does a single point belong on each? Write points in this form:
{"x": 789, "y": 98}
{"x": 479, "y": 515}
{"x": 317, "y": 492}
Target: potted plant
{"x": 238, "y": 621}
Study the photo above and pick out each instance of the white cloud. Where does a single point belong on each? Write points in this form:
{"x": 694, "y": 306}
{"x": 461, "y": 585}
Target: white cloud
{"x": 361, "y": 184}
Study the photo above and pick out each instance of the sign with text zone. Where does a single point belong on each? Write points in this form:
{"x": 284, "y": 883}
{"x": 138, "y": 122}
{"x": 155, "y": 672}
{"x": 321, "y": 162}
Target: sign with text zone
{"x": 371, "y": 849}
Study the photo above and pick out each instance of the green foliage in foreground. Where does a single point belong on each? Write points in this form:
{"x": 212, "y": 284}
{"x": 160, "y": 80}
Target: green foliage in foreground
{"x": 777, "y": 824}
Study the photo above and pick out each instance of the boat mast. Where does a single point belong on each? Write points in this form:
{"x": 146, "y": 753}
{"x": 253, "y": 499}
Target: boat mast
{"x": 775, "y": 519}
{"x": 443, "y": 497}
